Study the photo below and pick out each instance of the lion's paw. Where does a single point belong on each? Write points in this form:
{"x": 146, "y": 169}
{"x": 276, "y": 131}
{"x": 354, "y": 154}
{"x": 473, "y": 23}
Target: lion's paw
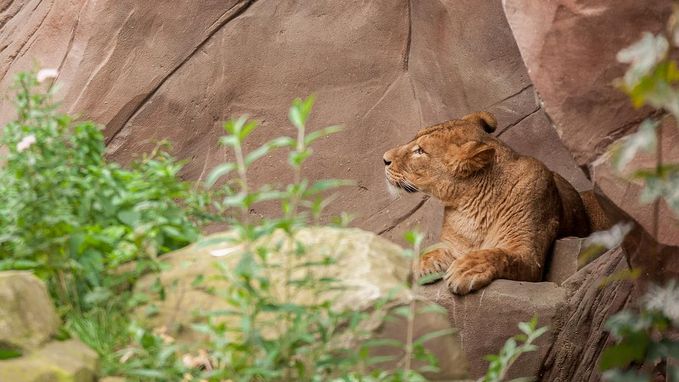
{"x": 433, "y": 262}
{"x": 468, "y": 274}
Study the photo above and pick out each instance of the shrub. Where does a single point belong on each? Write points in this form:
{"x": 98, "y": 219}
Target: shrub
{"x": 72, "y": 217}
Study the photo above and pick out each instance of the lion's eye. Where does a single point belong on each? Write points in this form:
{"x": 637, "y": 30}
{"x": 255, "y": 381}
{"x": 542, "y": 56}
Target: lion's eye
{"x": 419, "y": 151}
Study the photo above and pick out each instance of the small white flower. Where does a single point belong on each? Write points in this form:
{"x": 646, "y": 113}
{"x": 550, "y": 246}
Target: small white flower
{"x": 26, "y": 142}
{"x": 44, "y": 74}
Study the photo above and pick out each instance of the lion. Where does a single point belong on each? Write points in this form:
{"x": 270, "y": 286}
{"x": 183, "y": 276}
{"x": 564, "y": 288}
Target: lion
{"x": 502, "y": 210}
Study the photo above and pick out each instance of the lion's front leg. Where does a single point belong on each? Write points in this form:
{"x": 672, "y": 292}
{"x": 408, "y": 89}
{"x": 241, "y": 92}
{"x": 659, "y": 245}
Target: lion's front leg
{"x": 479, "y": 268}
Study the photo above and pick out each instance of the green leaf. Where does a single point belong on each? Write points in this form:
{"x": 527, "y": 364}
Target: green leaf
{"x": 235, "y": 126}
{"x": 643, "y": 56}
{"x": 622, "y": 274}
{"x": 9, "y": 353}
{"x": 403, "y": 311}
{"x": 265, "y": 148}
{"x": 430, "y": 278}
{"x": 296, "y": 158}
{"x": 414, "y": 238}
{"x": 246, "y": 130}
{"x": 313, "y": 136}
{"x": 218, "y": 172}
{"x": 435, "y": 334}
{"x": 129, "y": 217}
{"x": 632, "y": 349}
{"x": 299, "y": 111}
{"x": 644, "y": 139}
{"x": 433, "y": 308}
{"x": 326, "y": 184}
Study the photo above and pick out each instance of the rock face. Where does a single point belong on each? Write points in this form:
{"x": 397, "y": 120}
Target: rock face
{"x": 626, "y": 194}
{"x": 488, "y": 318}
{"x": 370, "y": 266}
{"x": 569, "y": 51}
{"x": 570, "y": 55}
{"x": 383, "y": 69}
{"x": 27, "y": 315}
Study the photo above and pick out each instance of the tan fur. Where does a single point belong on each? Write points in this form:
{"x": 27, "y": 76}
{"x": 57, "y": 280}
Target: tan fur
{"x": 503, "y": 210}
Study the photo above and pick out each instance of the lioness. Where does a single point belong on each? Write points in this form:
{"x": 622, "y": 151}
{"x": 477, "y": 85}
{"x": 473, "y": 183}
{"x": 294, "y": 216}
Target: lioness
{"x": 502, "y": 211}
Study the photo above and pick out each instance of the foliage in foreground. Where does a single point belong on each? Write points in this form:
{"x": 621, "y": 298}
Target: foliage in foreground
{"x": 267, "y": 334}
{"x": 646, "y": 346}
{"x": 512, "y": 350}
{"x": 646, "y": 343}
{"x": 73, "y": 218}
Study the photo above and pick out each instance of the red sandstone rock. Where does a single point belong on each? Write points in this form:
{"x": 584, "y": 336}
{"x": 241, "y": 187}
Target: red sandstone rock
{"x": 383, "y": 69}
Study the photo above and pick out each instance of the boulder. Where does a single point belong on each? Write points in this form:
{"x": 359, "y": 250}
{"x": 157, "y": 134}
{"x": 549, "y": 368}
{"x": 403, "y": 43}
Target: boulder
{"x": 570, "y": 54}
{"x": 27, "y": 315}
{"x": 580, "y": 335}
{"x": 563, "y": 262}
{"x": 371, "y": 267}
{"x": 487, "y": 318}
{"x": 68, "y": 361}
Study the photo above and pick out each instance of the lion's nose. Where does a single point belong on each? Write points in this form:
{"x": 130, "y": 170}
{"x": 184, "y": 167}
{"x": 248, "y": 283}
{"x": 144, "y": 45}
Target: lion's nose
{"x": 387, "y": 162}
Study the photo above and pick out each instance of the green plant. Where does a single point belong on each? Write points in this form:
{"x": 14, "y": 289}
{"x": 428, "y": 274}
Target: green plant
{"x": 515, "y": 346}
{"x": 268, "y": 332}
{"x": 72, "y": 217}
{"x": 103, "y": 329}
{"x": 278, "y": 337}
{"x": 646, "y": 337}
{"x": 645, "y": 345}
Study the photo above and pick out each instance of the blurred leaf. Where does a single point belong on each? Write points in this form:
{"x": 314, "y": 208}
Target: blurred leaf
{"x": 643, "y": 56}
{"x": 432, "y": 308}
{"x": 600, "y": 241}
{"x": 430, "y": 278}
{"x": 644, "y": 139}
{"x": 299, "y": 111}
{"x": 129, "y": 217}
{"x": 435, "y": 334}
{"x": 632, "y": 349}
{"x": 623, "y": 274}
{"x": 218, "y": 172}
{"x": 413, "y": 238}
{"x": 9, "y": 353}
{"x": 313, "y": 136}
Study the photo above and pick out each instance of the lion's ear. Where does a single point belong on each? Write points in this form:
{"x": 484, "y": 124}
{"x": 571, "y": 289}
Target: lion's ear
{"x": 486, "y": 120}
{"x": 474, "y": 156}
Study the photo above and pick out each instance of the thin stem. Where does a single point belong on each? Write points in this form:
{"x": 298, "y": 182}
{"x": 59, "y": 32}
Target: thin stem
{"x": 411, "y": 315}
{"x": 658, "y": 170}
{"x": 242, "y": 174}
{"x": 656, "y": 203}
{"x": 290, "y": 252}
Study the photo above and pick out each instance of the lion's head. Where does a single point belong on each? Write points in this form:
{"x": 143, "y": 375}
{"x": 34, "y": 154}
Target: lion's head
{"x": 443, "y": 157}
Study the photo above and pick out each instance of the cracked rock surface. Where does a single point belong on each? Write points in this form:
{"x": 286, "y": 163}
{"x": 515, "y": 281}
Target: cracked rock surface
{"x": 172, "y": 70}
{"x": 570, "y": 54}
